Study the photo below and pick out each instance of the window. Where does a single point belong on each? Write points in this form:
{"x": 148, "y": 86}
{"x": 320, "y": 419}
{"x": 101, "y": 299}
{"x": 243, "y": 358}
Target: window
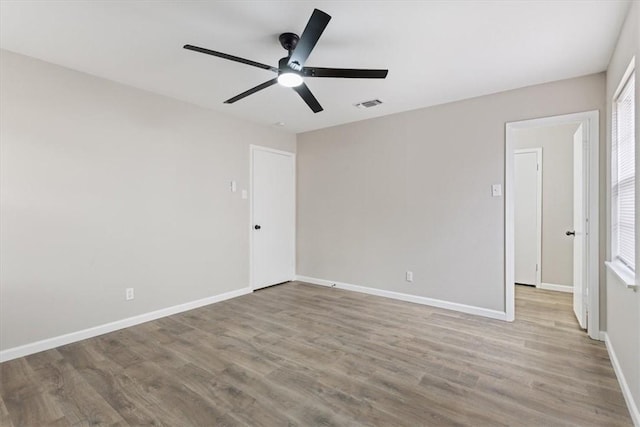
{"x": 623, "y": 174}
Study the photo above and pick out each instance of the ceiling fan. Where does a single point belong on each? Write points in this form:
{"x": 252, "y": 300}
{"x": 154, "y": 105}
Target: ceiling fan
{"x": 291, "y": 70}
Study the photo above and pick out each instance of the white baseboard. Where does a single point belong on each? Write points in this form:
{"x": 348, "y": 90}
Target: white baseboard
{"x": 49, "y": 343}
{"x": 554, "y": 287}
{"x": 626, "y": 392}
{"x": 479, "y": 311}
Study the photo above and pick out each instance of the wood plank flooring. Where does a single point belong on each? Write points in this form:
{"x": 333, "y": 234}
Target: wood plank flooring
{"x": 304, "y": 355}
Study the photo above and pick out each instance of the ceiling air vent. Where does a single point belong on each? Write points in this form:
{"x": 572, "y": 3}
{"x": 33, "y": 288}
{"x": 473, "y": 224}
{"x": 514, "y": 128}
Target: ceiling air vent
{"x": 369, "y": 104}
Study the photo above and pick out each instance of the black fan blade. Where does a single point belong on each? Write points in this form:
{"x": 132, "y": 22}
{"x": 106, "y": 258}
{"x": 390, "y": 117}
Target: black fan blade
{"x": 251, "y": 91}
{"x": 308, "y": 97}
{"x": 345, "y": 73}
{"x": 312, "y": 32}
{"x": 230, "y": 57}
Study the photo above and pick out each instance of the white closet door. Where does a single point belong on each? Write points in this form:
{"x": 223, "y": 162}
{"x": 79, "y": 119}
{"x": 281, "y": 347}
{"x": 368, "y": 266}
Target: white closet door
{"x": 527, "y": 217}
{"x": 273, "y": 217}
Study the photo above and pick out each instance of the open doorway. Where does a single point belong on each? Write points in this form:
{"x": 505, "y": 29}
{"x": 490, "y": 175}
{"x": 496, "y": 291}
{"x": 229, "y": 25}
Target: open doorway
{"x": 549, "y": 243}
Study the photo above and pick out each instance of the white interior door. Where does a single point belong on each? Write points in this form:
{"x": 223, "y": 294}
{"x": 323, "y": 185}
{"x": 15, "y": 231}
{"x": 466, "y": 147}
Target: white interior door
{"x": 579, "y": 291}
{"x": 273, "y": 217}
{"x": 528, "y": 212}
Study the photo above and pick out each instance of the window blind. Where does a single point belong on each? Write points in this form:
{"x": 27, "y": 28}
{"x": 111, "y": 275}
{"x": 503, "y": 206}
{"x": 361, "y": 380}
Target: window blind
{"x": 623, "y": 190}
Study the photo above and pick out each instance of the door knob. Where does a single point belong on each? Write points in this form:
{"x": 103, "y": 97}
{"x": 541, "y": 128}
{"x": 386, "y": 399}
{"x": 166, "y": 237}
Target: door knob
{"x": 570, "y": 233}
{"x": 257, "y": 227}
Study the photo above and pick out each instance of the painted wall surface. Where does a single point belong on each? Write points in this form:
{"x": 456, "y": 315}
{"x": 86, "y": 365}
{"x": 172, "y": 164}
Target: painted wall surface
{"x": 106, "y": 187}
{"x": 412, "y": 191}
{"x": 623, "y": 305}
{"x": 557, "y": 197}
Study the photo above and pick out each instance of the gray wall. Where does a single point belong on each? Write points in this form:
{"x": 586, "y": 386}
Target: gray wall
{"x": 105, "y": 187}
{"x": 411, "y": 191}
{"x": 623, "y": 305}
{"x": 557, "y": 197}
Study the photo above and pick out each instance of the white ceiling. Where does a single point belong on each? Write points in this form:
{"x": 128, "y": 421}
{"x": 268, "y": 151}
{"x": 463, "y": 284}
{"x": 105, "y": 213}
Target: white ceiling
{"x": 436, "y": 51}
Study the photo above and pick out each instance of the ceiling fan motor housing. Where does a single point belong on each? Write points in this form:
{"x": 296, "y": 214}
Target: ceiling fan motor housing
{"x": 283, "y": 66}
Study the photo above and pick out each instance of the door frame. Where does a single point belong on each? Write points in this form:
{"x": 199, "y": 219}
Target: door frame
{"x": 591, "y": 125}
{"x": 538, "y": 153}
{"x": 252, "y": 149}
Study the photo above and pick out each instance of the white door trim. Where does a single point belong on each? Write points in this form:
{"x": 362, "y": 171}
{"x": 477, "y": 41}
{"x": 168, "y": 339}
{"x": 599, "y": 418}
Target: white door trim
{"x": 590, "y": 121}
{"x": 252, "y": 149}
{"x": 538, "y": 152}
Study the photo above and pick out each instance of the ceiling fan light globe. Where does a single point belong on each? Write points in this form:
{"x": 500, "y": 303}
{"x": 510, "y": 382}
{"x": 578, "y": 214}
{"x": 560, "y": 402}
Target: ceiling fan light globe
{"x": 290, "y": 79}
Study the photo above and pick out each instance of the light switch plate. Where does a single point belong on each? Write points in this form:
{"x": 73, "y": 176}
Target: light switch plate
{"x": 244, "y": 194}
{"x": 496, "y": 190}
{"x": 233, "y": 186}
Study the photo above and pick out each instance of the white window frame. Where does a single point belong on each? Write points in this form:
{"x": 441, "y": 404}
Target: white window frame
{"x": 617, "y": 265}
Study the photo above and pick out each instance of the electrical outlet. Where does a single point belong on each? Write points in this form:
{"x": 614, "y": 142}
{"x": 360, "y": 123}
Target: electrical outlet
{"x": 129, "y": 294}
{"x": 409, "y": 276}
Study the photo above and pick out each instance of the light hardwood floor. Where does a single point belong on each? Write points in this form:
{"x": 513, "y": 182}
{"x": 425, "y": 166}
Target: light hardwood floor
{"x": 299, "y": 354}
